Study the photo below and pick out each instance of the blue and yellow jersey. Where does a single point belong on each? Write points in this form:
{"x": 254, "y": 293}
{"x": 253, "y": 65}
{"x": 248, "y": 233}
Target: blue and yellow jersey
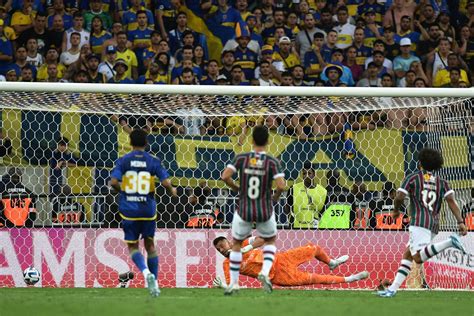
{"x": 370, "y": 36}
{"x": 289, "y": 62}
{"x": 228, "y": 18}
{"x": 96, "y": 41}
{"x": 123, "y": 5}
{"x": 129, "y": 19}
{"x": 311, "y": 61}
{"x": 138, "y": 36}
{"x": 413, "y": 36}
{"x": 247, "y": 59}
{"x": 6, "y": 48}
{"x": 149, "y": 53}
{"x": 137, "y": 171}
{"x": 326, "y": 53}
{"x": 361, "y": 55}
{"x": 166, "y": 7}
{"x": 129, "y": 56}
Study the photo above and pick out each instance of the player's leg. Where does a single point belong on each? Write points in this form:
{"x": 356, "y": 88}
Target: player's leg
{"x": 321, "y": 255}
{"x": 148, "y": 233}
{"x": 402, "y": 273}
{"x": 267, "y": 230}
{"x": 432, "y": 250}
{"x": 132, "y": 234}
{"x": 240, "y": 230}
{"x": 300, "y": 278}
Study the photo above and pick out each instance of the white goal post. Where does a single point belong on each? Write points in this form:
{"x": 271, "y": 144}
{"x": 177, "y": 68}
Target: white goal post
{"x": 360, "y": 143}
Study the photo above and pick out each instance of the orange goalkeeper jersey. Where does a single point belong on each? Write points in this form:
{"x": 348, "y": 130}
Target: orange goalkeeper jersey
{"x": 252, "y": 262}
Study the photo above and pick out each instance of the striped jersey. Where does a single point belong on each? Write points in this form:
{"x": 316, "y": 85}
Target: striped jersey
{"x": 256, "y": 173}
{"x": 426, "y": 192}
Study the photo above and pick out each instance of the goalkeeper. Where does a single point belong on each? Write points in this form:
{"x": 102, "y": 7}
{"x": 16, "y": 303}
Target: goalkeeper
{"x": 285, "y": 270}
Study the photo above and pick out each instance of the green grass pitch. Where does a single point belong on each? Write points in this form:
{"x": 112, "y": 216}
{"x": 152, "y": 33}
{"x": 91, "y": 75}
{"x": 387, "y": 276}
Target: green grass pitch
{"x": 212, "y": 302}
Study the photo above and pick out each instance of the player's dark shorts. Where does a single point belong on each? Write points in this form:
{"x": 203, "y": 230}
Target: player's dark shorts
{"x": 133, "y": 229}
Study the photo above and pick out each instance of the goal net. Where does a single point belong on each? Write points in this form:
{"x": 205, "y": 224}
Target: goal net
{"x": 344, "y": 152}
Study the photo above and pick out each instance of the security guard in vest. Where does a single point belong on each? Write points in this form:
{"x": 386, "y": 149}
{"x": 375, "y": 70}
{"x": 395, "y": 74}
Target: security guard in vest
{"x": 382, "y": 211}
{"x": 17, "y": 208}
{"x": 468, "y": 212}
{"x": 306, "y": 200}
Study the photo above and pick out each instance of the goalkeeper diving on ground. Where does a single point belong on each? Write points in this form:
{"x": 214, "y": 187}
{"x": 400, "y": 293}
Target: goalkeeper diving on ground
{"x": 285, "y": 270}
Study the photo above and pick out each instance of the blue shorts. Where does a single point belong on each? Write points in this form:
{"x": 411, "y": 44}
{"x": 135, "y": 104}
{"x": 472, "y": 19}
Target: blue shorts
{"x": 133, "y": 229}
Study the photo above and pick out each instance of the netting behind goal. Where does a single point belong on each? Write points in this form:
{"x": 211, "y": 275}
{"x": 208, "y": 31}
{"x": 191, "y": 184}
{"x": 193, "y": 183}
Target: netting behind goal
{"x": 60, "y": 215}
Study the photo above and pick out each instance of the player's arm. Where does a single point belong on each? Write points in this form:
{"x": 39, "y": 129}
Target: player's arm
{"x": 114, "y": 183}
{"x": 227, "y": 178}
{"x": 453, "y": 206}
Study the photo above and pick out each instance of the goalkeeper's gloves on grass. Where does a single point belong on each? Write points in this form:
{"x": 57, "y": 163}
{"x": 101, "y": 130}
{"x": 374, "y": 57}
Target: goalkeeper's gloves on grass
{"x": 218, "y": 283}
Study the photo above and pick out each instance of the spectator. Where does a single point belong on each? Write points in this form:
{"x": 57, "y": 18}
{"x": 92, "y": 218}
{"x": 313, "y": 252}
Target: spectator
{"x": 306, "y": 200}
{"x": 372, "y": 79}
{"x": 345, "y": 29}
{"x": 372, "y": 30}
{"x": 198, "y": 58}
{"x": 276, "y": 67}
{"x": 95, "y": 76}
{"x": 387, "y": 81}
{"x": 407, "y": 32}
{"x": 360, "y": 211}
{"x": 5, "y": 145}
{"x": 305, "y": 37}
{"x": 80, "y": 76}
{"x": 141, "y": 38}
{"x": 244, "y": 56}
{"x": 402, "y": 63}
{"x": 362, "y": 51}
{"x": 52, "y": 73}
{"x": 33, "y": 57}
{"x": 237, "y": 76}
{"x": 98, "y": 35}
{"x": 96, "y": 11}
{"x": 11, "y": 75}
{"x": 22, "y": 20}
{"x": 73, "y": 53}
{"x": 392, "y": 47}
{"x": 443, "y": 76}
{"x": 286, "y": 79}
{"x": 38, "y": 32}
{"x": 225, "y": 15}
{"x": 176, "y": 35}
{"x": 326, "y": 22}
{"x": 156, "y": 74}
{"x": 242, "y": 7}
{"x": 186, "y": 63}
{"x": 20, "y": 60}
{"x": 165, "y": 12}
{"x": 116, "y": 28}
{"x": 129, "y": 17}
{"x": 329, "y": 46}
{"x": 17, "y": 208}
{"x": 150, "y": 52}
{"x": 346, "y": 76}
{"x": 438, "y": 59}
{"x": 417, "y": 67}
{"x": 56, "y": 34}
{"x": 254, "y": 31}
{"x": 278, "y": 20}
{"x": 58, "y": 10}
{"x": 371, "y": 6}
{"x": 186, "y": 77}
{"x": 121, "y": 74}
{"x": 286, "y": 55}
{"x": 51, "y": 58}
{"x": 408, "y": 81}
{"x": 427, "y": 16}
{"x": 298, "y": 75}
{"x": 242, "y": 29}
{"x": 454, "y": 78}
{"x": 77, "y": 27}
{"x": 227, "y": 59}
{"x": 59, "y": 163}
{"x": 212, "y": 73}
{"x": 430, "y": 40}
{"x": 313, "y": 60}
{"x": 399, "y": 9}
{"x": 350, "y": 62}
{"x": 336, "y": 192}
{"x": 265, "y": 78}
{"x": 27, "y": 74}
{"x": 107, "y": 66}
{"x": 333, "y": 74}
{"x": 6, "y": 50}
{"x": 445, "y": 26}
{"x": 127, "y": 55}
{"x": 383, "y": 65}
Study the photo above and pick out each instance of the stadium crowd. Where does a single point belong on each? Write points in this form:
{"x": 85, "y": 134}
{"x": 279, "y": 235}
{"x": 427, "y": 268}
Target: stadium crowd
{"x": 365, "y": 43}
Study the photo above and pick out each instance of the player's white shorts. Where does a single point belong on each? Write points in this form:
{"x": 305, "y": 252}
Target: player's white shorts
{"x": 419, "y": 238}
{"x": 242, "y": 229}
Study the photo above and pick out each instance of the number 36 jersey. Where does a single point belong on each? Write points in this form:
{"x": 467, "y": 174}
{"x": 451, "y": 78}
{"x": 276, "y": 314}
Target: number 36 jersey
{"x": 426, "y": 192}
{"x": 137, "y": 171}
{"x": 256, "y": 172}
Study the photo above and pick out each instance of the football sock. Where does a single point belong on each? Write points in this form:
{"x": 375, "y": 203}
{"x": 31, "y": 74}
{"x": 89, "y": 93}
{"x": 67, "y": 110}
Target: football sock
{"x": 235, "y": 259}
{"x": 432, "y": 250}
{"x": 321, "y": 255}
{"x": 268, "y": 257}
{"x": 139, "y": 261}
{"x": 402, "y": 273}
{"x": 152, "y": 262}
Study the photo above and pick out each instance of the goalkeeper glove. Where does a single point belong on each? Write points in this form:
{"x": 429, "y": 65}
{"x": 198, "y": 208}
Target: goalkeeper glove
{"x": 246, "y": 249}
{"x": 218, "y": 283}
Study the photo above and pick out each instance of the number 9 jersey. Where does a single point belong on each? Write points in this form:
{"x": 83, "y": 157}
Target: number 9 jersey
{"x": 137, "y": 171}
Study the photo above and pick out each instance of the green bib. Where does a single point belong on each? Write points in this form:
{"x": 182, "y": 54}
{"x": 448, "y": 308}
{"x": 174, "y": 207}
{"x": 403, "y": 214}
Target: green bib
{"x": 307, "y": 203}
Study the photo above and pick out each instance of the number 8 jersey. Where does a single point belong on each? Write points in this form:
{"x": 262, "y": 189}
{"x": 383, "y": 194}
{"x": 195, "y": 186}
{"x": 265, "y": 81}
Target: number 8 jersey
{"x": 137, "y": 170}
{"x": 256, "y": 172}
{"x": 426, "y": 192}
